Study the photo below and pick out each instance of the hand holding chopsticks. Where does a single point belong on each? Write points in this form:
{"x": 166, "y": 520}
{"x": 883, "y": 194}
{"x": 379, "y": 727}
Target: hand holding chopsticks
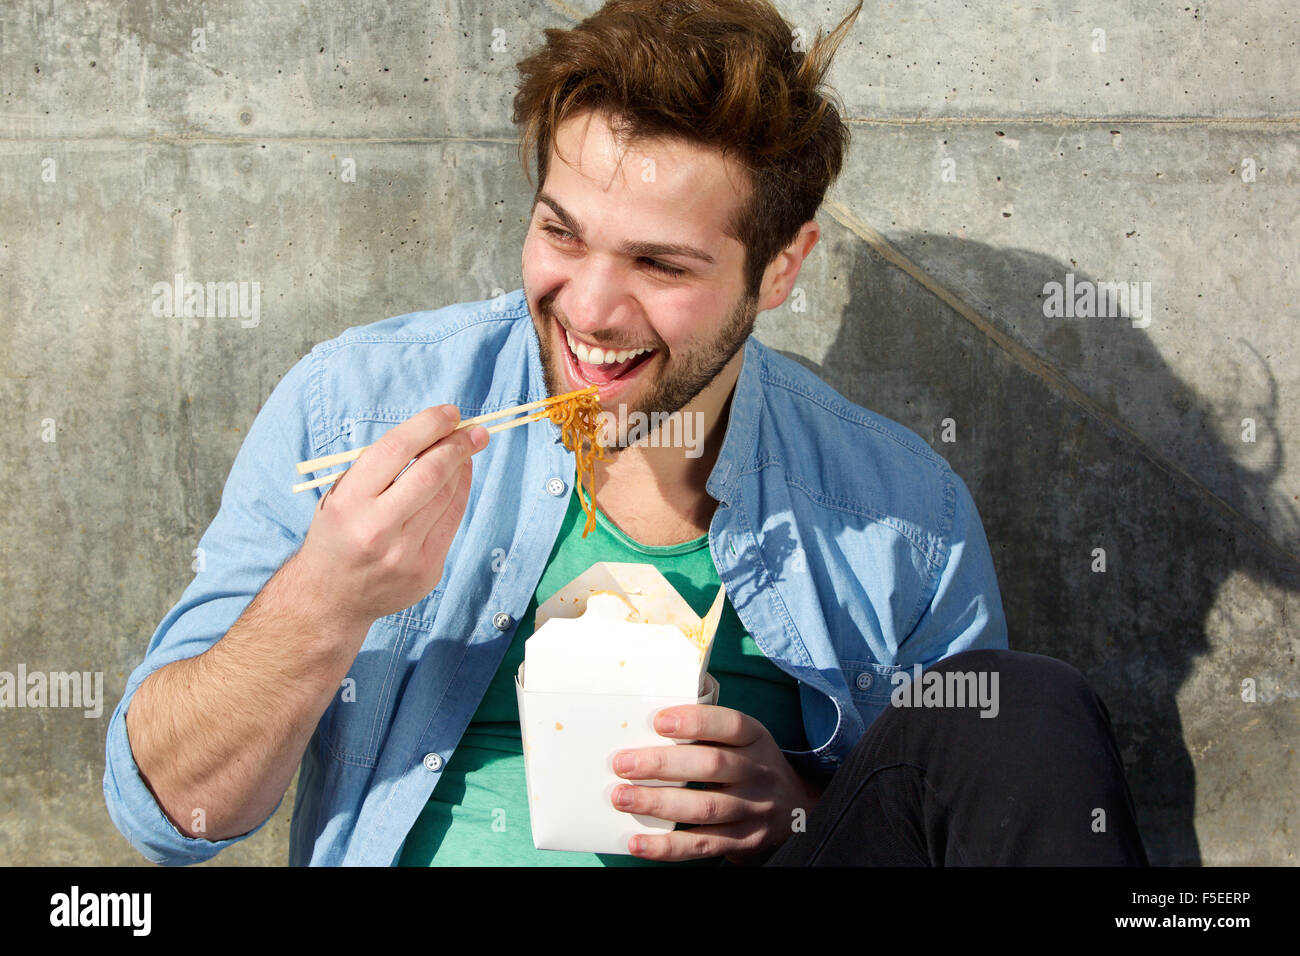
{"x": 327, "y": 461}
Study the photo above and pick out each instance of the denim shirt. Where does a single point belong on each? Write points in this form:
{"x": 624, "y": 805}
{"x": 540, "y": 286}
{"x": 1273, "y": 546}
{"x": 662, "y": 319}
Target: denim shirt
{"x": 848, "y": 548}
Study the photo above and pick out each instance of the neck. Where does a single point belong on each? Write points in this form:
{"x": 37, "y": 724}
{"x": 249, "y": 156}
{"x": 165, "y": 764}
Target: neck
{"x": 670, "y": 472}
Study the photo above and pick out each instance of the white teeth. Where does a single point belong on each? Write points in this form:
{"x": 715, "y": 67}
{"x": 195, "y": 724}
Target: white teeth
{"x": 597, "y": 356}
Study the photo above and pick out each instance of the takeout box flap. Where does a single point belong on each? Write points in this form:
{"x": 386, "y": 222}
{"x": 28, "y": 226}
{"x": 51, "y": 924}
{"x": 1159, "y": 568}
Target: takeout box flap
{"x": 650, "y": 598}
{"x": 642, "y": 586}
{"x": 711, "y": 621}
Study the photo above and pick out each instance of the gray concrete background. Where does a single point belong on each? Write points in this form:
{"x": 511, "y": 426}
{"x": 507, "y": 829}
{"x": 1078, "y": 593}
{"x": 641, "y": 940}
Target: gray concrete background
{"x": 1124, "y": 155}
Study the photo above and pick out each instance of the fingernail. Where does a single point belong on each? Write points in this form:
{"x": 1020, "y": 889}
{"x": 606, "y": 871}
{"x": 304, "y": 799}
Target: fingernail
{"x": 478, "y": 436}
{"x": 623, "y": 763}
{"x": 666, "y": 725}
{"x": 624, "y": 798}
{"x": 451, "y": 413}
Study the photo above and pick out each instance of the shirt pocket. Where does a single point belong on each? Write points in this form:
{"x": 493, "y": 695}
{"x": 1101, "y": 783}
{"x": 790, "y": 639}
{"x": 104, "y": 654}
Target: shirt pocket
{"x": 355, "y": 725}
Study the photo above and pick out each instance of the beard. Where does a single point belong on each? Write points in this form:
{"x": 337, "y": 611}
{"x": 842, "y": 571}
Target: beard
{"x": 681, "y": 378}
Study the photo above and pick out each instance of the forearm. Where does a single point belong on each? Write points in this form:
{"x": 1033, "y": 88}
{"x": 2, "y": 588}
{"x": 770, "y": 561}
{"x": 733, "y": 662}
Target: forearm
{"x": 223, "y": 733}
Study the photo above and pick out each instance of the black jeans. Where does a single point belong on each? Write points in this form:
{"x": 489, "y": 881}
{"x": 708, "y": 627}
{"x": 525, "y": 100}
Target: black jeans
{"x": 1039, "y": 784}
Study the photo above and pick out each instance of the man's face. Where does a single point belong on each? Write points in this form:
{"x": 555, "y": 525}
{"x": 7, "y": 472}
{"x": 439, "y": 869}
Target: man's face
{"x": 594, "y": 261}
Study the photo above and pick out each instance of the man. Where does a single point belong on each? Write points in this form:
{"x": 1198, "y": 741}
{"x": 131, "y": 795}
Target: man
{"x": 369, "y": 635}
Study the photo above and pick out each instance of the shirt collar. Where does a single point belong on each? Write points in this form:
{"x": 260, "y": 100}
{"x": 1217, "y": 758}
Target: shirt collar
{"x": 742, "y": 425}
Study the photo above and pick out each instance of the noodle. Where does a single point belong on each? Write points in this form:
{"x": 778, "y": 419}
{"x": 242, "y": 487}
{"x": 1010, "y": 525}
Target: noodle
{"x": 579, "y": 430}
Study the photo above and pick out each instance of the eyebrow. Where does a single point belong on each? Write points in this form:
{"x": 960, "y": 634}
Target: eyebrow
{"x": 636, "y": 248}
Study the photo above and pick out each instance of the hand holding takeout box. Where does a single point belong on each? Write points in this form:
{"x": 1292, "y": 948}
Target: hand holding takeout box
{"x": 609, "y": 650}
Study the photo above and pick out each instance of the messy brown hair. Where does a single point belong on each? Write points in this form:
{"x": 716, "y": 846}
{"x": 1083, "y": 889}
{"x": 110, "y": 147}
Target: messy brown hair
{"x": 724, "y": 73}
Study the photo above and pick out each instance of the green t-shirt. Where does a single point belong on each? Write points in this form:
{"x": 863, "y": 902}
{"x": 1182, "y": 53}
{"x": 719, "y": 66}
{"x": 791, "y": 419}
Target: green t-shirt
{"x": 478, "y": 813}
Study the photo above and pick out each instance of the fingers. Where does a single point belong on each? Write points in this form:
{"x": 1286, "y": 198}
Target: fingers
{"x": 382, "y": 461}
{"x": 431, "y": 477}
{"x": 381, "y": 540}
{"x": 721, "y": 725}
{"x": 437, "y": 540}
{"x": 417, "y": 526}
{"x": 732, "y": 840}
{"x": 683, "y": 763}
{"x": 681, "y": 805}
{"x": 333, "y": 486}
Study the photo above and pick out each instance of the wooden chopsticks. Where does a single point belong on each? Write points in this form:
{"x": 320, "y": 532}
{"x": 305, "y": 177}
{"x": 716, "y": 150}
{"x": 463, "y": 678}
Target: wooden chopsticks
{"x": 342, "y": 457}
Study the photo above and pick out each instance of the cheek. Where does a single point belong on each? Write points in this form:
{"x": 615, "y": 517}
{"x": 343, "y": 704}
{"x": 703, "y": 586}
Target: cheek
{"x": 677, "y": 322}
{"x": 541, "y": 265}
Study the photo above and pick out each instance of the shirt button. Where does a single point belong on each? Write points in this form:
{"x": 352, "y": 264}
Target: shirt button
{"x": 864, "y": 681}
{"x": 432, "y": 763}
{"x": 556, "y": 486}
{"x": 502, "y": 621}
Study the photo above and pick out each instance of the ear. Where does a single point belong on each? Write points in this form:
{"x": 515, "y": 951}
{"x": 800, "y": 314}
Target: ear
{"x": 782, "y": 271}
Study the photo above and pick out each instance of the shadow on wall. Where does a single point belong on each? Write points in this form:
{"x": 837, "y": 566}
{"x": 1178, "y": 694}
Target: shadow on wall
{"x": 1054, "y": 482}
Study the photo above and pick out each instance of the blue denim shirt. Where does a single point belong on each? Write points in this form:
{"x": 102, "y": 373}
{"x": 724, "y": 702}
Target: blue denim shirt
{"x": 847, "y": 547}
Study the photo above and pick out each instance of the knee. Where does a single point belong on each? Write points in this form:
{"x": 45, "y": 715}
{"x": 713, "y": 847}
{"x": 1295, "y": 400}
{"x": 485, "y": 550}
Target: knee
{"x": 1029, "y": 682}
{"x": 1021, "y": 669}
{"x": 1012, "y": 663}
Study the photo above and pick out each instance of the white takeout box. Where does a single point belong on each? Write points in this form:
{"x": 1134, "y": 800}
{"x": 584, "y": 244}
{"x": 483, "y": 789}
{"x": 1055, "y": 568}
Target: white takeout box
{"x": 590, "y": 686}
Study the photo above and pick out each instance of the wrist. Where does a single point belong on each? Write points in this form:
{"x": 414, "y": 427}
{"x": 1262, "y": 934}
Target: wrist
{"x": 812, "y": 787}
{"x": 306, "y": 635}
{"x": 309, "y": 597}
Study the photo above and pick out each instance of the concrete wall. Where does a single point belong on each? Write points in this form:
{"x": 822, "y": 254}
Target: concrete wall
{"x": 995, "y": 150}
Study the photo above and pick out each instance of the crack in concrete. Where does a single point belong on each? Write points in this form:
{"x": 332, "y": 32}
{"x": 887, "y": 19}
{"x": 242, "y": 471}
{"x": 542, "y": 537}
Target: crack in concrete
{"x": 566, "y": 11}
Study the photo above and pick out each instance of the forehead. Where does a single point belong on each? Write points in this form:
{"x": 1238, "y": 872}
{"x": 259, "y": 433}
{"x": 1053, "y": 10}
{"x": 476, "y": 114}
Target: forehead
{"x": 671, "y": 183}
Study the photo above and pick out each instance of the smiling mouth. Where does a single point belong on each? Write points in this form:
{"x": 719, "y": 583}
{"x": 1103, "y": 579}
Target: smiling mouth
{"x": 602, "y": 372}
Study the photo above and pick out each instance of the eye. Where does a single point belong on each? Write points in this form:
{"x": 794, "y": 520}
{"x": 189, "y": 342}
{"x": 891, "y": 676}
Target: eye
{"x": 559, "y": 233}
{"x": 664, "y": 269}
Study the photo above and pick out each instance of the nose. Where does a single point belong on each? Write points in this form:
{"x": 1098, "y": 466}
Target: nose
{"x": 593, "y": 307}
